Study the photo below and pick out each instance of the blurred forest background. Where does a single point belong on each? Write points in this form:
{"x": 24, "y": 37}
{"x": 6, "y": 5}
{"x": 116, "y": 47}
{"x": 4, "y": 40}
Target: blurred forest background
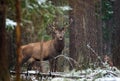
{"x": 93, "y": 34}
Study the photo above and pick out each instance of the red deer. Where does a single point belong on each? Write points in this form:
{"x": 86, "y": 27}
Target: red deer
{"x": 45, "y": 50}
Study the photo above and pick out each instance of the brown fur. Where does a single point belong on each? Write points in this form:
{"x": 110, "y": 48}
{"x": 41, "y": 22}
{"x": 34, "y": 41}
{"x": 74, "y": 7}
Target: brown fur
{"x": 45, "y": 50}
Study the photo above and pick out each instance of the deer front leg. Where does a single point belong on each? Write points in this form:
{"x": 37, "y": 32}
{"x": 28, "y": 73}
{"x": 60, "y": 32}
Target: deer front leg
{"x": 53, "y": 65}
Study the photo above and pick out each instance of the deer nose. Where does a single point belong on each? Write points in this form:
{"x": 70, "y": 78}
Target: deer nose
{"x": 60, "y": 38}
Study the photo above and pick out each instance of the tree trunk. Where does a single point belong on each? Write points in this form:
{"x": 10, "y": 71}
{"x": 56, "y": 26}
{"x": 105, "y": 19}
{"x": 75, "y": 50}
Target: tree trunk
{"x": 116, "y": 34}
{"x": 61, "y": 62}
{"x": 18, "y": 38}
{"x": 4, "y": 72}
{"x": 85, "y": 31}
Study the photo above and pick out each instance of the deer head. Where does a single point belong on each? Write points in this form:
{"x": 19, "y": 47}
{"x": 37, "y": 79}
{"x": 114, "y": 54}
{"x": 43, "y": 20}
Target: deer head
{"x": 59, "y": 33}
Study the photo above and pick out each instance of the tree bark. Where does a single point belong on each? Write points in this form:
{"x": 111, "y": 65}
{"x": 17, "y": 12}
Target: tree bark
{"x": 116, "y": 34}
{"x": 85, "y": 30}
{"x": 18, "y": 37}
{"x": 4, "y": 72}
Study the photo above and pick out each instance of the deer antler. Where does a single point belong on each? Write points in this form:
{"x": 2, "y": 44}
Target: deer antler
{"x": 54, "y": 24}
{"x": 68, "y": 24}
{"x": 52, "y": 27}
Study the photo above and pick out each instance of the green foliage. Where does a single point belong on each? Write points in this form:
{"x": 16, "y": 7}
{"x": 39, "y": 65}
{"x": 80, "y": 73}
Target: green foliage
{"x": 106, "y": 32}
{"x": 10, "y": 28}
{"x": 36, "y": 14}
{"x": 40, "y": 14}
{"x": 104, "y": 10}
{"x": 107, "y": 10}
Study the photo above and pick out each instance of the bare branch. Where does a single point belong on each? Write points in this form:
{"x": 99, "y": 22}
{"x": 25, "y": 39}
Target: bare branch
{"x": 69, "y": 60}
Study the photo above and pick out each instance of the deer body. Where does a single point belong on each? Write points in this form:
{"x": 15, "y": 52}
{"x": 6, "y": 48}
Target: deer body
{"x": 45, "y": 50}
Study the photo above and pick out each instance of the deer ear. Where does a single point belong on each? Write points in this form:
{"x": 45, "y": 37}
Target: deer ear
{"x": 64, "y": 28}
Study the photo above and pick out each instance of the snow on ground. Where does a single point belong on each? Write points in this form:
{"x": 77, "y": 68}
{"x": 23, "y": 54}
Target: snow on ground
{"x": 98, "y": 74}
{"x": 99, "y": 79}
{"x": 61, "y": 79}
{"x": 109, "y": 74}
{"x": 108, "y": 79}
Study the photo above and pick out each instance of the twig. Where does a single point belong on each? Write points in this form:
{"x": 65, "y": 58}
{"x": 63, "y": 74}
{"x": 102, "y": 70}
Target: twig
{"x": 98, "y": 57}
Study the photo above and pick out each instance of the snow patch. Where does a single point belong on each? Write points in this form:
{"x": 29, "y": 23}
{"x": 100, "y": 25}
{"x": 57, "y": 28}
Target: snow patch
{"x": 41, "y": 1}
{"x": 62, "y": 79}
{"x": 65, "y": 8}
{"x": 108, "y": 79}
{"x": 10, "y": 22}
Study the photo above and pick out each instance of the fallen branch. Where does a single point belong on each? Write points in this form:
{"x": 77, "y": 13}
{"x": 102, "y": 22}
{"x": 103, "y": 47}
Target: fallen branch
{"x": 97, "y": 55}
{"x": 73, "y": 75}
{"x": 50, "y": 74}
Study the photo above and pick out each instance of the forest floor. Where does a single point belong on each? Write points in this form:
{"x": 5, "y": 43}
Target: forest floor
{"x": 98, "y": 74}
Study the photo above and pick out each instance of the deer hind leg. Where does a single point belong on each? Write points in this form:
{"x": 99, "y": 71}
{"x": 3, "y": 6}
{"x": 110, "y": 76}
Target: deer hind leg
{"x": 22, "y": 60}
{"x": 34, "y": 63}
{"x": 30, "y": 63}
{"x": 39, "y": 66}
{"x": 19, "y": 62}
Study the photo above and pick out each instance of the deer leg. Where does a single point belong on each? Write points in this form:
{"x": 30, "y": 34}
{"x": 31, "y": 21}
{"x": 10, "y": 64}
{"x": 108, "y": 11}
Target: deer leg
{"x": 19, "y": 63}
{"x": 37, "y": 66}
{"x": 53, "y": 65}
{"x": 40, "y": 65}
{"x": 30, "y": 63}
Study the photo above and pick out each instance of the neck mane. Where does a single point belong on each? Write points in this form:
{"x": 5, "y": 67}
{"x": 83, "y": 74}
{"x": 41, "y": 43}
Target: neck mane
{"x": 59, "y": 45}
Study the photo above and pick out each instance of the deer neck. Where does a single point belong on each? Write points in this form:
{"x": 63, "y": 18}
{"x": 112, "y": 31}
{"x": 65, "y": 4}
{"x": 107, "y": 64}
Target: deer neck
{"x": 59, "y": 45}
